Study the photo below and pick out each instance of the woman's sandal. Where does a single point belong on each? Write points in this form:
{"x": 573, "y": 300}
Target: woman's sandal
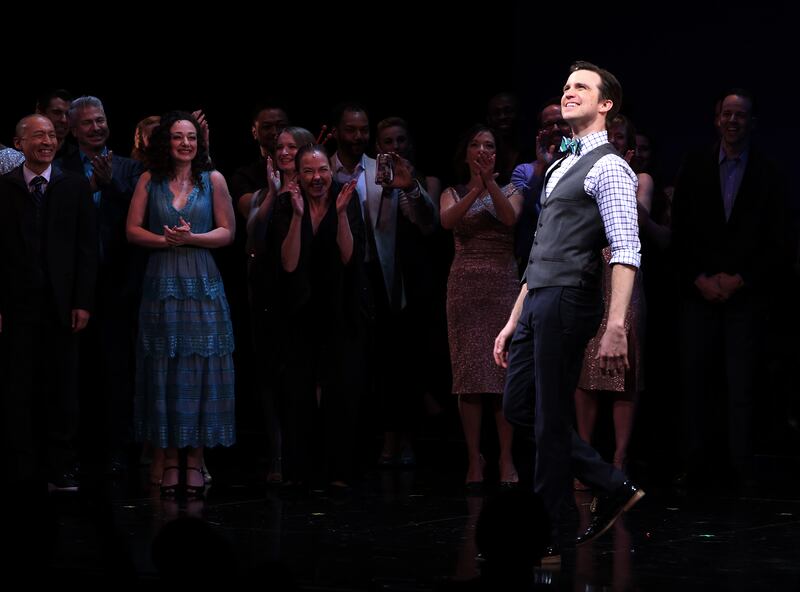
{"x": 195, "y": 491}
{"x": 170, "y": 491}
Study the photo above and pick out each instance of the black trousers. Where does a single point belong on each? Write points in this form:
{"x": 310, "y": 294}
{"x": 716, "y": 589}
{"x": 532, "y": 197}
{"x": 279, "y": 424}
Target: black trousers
{"x": 39, "y": 360}
{"x": 107, "y": 372}
{"x": 732, "y": 331}
{"x": 544, "y": 364}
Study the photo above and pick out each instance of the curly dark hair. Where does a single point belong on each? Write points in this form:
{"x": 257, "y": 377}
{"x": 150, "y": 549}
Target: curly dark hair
{"x": 158, "y": 151}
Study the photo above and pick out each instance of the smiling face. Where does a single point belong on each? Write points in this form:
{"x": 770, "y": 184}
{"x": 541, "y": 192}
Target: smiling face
{"x": 735, "y": 120}
{"x": 315, "y": 174}
{"x": 90, "y": 129}
{"x": 183, "y": 141}
{"x": 38, "y": 141}
{"x": 581, "y": 105}
{"x": 285, "y": 151}
{"x": 555, "y": 125}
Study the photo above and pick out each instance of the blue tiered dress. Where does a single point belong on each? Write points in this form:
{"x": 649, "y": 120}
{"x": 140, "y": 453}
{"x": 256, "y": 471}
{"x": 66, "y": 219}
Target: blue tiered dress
{"x": 184, "y": 368}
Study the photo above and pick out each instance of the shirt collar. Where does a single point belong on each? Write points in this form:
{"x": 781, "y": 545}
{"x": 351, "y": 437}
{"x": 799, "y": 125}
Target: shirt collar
{"x": 85, "y": 158}
{"x": 29, "y": 174}
{"x": 724, "y": 157}
{"x": 338, "y": 166}
{"x": 591, "y": 141}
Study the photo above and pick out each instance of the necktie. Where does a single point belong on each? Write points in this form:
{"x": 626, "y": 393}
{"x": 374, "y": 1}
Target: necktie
{"x": 572, "y": 145}
{"x": 36, "y": 190}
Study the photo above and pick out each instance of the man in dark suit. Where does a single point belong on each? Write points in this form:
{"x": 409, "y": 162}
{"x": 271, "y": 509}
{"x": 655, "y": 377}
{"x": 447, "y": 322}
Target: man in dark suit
{"x": 107, "y": 346}
{"x": 48, "y": 266}
{"x": 727, "y": 228}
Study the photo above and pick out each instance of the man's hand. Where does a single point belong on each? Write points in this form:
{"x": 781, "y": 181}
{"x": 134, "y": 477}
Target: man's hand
{"x": 79, "y": 319}
{"x": 729, "y": 284}
{"x": 709, "y": 288}
{"x": 613, "y": 351}
{"x": 403, "y": 172}
{"x": 102, "y": 170}
{"x": 501, "y": 344}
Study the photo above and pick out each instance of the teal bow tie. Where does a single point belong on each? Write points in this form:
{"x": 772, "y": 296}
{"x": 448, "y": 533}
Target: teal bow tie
{"x": 571, "y": 145}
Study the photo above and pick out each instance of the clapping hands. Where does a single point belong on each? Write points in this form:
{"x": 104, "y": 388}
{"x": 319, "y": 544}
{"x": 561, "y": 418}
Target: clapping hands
{"x": 178, "y": 235}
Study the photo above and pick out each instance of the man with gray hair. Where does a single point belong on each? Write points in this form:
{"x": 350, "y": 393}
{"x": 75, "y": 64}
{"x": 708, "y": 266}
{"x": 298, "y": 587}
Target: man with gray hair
{"x": 107, "y": 346}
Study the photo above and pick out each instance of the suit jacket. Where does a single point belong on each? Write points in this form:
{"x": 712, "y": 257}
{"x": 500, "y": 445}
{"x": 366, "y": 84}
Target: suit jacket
{"x": 56, "y": 266}
{"x": 749, "y": 243}
{"x": 392, "y": 237}
{"x": 120, "y": 260}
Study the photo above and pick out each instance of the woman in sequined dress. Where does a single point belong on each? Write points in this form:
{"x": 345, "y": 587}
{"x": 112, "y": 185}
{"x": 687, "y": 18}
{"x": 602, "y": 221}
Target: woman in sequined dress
{"x": 481, "y": 288}
{"x": 623, "y": 388}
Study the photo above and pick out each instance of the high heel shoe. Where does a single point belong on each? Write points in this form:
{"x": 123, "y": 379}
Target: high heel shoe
{"x": 170, "y": 491}
{"x": 511, "y": 479}
{"x": 194, "y": 491}
{"x": 206, "y": 474}
{"x": 476, "y": 487}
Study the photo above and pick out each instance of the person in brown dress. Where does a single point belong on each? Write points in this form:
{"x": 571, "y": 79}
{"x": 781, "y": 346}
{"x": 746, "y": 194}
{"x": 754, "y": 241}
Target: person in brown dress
{"x": 623, "y": 387}
{"x": 482, "y": 286}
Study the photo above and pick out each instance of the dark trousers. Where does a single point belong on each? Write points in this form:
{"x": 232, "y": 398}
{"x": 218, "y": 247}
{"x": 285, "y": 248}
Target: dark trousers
{"x": 107, "y": 372}
{"x": 393, "y": 358}
{"x": 732, "y": 329}
{"x": 328, "y": 423}
{"x": 40, "y": 407}
{"x": 544, "y": 364}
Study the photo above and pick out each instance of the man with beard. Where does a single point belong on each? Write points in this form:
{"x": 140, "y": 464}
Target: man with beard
{"x": 107, "y": 345}
{"x": 528, "y": 177}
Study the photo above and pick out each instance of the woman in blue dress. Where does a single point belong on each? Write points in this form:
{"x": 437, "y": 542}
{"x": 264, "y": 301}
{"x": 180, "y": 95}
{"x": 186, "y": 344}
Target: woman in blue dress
{"x": 184, "y": 369}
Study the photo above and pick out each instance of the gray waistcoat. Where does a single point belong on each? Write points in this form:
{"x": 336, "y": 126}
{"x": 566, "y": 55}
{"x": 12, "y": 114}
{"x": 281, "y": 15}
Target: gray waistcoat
{"x": 570, "y": 235}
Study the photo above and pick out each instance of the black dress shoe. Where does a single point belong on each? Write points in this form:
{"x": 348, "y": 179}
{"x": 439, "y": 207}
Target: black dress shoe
{"x": 608, "y": 509}
{"x": 66, "y": 482}
{"x": 552, "y": 555}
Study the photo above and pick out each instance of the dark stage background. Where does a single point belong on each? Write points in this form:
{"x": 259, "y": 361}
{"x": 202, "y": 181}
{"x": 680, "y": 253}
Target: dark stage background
{"x": 673, "y": 59}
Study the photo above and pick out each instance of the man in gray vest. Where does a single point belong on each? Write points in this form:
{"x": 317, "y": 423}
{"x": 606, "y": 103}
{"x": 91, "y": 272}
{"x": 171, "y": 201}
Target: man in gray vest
{"x": 588, "y": 201}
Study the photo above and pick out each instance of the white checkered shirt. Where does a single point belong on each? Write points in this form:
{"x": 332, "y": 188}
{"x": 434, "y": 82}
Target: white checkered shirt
{"x": 612, "y": 183}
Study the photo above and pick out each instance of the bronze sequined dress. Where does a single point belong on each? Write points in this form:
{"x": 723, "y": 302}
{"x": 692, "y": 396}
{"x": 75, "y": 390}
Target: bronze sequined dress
{"x": 592, "y": 379}
{"x": 481, "y": 290}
